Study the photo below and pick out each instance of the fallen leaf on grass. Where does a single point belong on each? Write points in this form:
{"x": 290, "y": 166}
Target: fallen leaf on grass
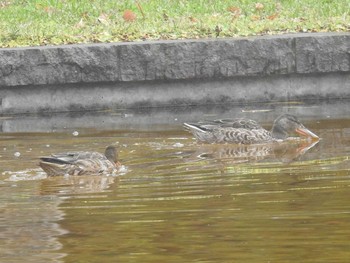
{"x": 103, "y": 19}
{"x": 4, "y": 4}
{"x": 278, "y": 6}
{"x": 49, "y": 9}
{"x": 255, "y": 17}
{"x": 129, "y": 16}
{"x": 218, "y": 30}
{"x": 84, "y": 15}
{"x": 80, "y": 24}
{"x": 236, "y": 11}
{"x": 139, "y": 7}
{"x": 273, "y": 16}
{"x": 165, "y": 17}
{"x": 192, "y": 19}
{"x": 259, "y": 6}
{"x": 145, "y": 37}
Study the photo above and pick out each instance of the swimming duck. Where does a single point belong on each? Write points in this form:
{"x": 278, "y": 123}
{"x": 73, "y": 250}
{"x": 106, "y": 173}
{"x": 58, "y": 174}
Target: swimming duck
{"x": 81, "y": 163}
{"x": 244, "y": 131}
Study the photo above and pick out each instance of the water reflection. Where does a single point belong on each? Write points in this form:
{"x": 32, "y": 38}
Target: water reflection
{"x": 29, "y": 224}
{"x": 75, "y": 185}
{"x": 179, "y": 201}
{"x": 271, "y": 152}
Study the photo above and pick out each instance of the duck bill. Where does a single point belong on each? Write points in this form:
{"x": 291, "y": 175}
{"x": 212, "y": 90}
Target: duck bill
{"x": 307, "y": 133}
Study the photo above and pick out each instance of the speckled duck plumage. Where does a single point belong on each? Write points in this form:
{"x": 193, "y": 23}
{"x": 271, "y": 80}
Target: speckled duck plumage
{"x": 244, "y": 131}
{"x": 81, "y": 163}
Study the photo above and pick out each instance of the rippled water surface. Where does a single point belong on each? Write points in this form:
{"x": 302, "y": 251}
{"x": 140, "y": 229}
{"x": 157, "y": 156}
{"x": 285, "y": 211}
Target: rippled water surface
{"x": 175, "y": 200}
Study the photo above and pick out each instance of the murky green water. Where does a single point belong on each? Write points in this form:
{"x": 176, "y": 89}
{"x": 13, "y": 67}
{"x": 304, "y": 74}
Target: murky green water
{"x": 177, "y": 201}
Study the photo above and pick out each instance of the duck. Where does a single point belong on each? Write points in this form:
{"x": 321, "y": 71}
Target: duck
{"x": 246, "y": 131}
{"x": 81, "y": 163}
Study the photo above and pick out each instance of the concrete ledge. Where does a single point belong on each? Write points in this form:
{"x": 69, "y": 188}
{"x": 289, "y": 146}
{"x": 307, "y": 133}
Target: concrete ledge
{"x": 238, "y": 91}
{"x": 174, "y": 60}
{"x": 123, "y": 75}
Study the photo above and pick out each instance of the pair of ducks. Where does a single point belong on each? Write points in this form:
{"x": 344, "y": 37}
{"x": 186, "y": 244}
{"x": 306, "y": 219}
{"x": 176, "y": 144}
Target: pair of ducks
{"x": 236, "y": 131}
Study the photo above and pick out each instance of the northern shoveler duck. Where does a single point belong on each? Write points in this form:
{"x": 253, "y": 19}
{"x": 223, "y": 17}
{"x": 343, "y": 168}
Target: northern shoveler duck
{"x": 81, "y": 163}
{"x": 243, "y": 131}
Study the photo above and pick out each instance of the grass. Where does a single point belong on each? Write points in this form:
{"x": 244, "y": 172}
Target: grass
{"x": 53, "y": 22}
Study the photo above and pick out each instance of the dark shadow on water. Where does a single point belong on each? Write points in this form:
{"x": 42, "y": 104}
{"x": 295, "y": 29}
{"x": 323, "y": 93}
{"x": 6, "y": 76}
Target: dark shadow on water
{"x": 169, "y": 118}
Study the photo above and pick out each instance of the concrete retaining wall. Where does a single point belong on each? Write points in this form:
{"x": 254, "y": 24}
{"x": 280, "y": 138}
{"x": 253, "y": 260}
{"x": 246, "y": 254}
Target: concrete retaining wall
{"x": 122, "y": 75}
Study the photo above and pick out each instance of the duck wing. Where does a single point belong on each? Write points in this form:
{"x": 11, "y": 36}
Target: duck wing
{"x": 236, "y": 123}
{"x": 224, "y": 123}
{"x": 70, "y": 157}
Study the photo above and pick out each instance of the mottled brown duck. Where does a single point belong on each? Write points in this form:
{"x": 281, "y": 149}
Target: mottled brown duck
{"x": 81, "y": 163}
{"x": 244, "y": 131}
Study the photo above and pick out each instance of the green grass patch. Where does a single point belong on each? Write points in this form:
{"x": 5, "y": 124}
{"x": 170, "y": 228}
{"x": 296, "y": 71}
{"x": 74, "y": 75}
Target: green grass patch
{"x": 53, "y": 22}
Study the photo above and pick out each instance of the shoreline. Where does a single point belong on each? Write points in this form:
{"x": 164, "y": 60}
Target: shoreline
{"x": 175, "y": 73}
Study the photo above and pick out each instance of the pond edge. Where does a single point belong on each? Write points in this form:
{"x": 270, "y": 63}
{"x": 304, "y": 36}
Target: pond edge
{"x": 175, "y": 73}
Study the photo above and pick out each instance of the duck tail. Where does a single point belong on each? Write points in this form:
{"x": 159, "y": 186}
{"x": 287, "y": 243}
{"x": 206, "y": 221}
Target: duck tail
{"x": 53, "y": 160}
{"x": 194, "y": 127}
{"x": 53, "y": 169}
{"x": 202, "y": 132}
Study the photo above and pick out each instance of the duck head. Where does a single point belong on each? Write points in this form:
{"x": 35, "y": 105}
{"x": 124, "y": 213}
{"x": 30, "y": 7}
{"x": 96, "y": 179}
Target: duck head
{"x": 288, "y": 125}
{"x": 111, "y": 153}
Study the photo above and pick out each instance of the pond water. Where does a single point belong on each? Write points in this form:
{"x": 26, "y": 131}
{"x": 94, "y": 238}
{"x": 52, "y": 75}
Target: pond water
{"x": 175, "y": 200}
